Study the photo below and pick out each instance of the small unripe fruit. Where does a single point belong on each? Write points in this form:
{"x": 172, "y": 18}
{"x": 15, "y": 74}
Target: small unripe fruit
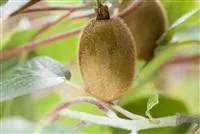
{"x": 107, "y": 58}
{"x": 147, "y": 23}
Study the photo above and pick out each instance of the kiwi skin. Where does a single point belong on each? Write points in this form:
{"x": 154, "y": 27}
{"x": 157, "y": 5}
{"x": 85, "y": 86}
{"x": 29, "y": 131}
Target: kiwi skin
{"x": 106, "y": 58}
{"x": 147, "y": 23}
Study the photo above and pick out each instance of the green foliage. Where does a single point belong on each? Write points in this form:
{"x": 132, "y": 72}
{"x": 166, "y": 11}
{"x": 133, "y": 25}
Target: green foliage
{"x": 21, "y": 106}
{"x": 45, "y": 103}
{"x": 3, "y": 2}
{"x": 65, "y": 49}
{"x": 176, "y": 8}
{"x": 187, "y": 19}
{"x": 190, "y": 32}
{"x": 16, "y": 38}
{"x": 13, "y": 40}
{"x": 152, "y": 102}
{"x": 38, "y": 73}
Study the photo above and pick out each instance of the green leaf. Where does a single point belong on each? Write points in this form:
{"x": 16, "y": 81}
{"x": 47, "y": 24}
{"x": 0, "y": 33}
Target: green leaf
{"x": 45, "y": 103}
{"x": 20, "y": 106}
{"x": 152, "y": 102}
{"x": 36, "y": 74}
{"x": 10, "y": 41}
{"x": 64, "y": 49}
{"x": 3, "y": 2}
{"x": 177, "y": 8}
{"x": 189, "y": 18}
{"x": 190, "y": 32}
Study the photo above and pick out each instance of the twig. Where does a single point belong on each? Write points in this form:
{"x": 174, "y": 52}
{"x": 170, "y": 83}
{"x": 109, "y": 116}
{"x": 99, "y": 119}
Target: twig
{"x": 99, "y": 3}
{"x": 80, "y": 16}
{"x": 183, "y": 118}
{"x": 48, "y": 25}
{"x": 113, "y": 106}
{"x": 126, "y": 113}
{"x": 27, "y": 5}
{"x": 34, "y": 44}
{"x": 135, "y": 4}
{"x": 53, "y": 8}
{"x": 53, "y": 116}
{"x": 133, "y": 125}
{"x": 181, "y": 60}
{"x": 115, "y": 122}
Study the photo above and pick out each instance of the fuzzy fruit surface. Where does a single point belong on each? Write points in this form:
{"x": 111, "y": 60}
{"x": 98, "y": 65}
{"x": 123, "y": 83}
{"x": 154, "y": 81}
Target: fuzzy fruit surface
{"x": 147, "y": 23}
{"x": 107, "y": 58}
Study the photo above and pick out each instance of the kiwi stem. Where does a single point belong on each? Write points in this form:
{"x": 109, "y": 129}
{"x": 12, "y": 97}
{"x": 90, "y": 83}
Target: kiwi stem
{"x": 99, "y": 4}
{"x": 53, "y": 115}
{"x": 102, "y": 12}
{"x": 126, "y": 113}
{"x": 30, "y": 45}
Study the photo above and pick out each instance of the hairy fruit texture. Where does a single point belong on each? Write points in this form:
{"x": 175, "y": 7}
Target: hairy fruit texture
{"x": 147, "y": 23}
{"x": 107, "y": 58}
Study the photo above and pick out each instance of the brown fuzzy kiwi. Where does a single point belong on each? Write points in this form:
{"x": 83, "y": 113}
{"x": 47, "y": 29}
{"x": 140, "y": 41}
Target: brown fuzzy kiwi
{"x": 146, "y": 23}
{"x": 107, "y": 57}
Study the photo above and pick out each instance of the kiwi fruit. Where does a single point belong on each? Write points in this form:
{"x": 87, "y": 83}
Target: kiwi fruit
{"x": 147, "y": 23}
{"x": 106, "y": 56}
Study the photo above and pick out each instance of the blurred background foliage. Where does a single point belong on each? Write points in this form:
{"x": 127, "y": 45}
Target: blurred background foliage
{"x": 178, "y": 85}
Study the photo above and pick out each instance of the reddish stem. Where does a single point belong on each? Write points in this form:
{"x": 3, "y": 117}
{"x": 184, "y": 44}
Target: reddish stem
{"x": 89, "y": 14}
{"x": 53, "y": 115}
{"x": 54, "y": 8}
{"x": 135, "y": 4}
{"x": 182, "y": 60}
{"x": 27, "y": 5}
{"x": 48, "y": 25}
{"x": 34, "y": 44}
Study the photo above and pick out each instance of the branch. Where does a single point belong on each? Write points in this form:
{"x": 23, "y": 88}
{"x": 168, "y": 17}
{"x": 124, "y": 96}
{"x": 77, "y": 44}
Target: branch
{"x": 48, "y": 25}
{"x": 134, "y": 125}
{"x": 114, "y": 106}
{"x": 126, "y": 113}
{"x": 85, "y": 15}
{"x": 115, "y": 122}
{"x": 27, "y": 5}
{"x": 53, "y": 8}
{"x": 135, "y": 4}
{"x": 34, "y": 44}
{"x": 184, "y": 118}
{"x": 182, "y": 60}
{"x": 53, "y": 116}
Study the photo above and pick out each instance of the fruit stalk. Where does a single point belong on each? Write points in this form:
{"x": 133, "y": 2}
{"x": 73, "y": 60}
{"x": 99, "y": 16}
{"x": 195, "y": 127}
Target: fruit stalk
{"x": 102, "y": 12}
